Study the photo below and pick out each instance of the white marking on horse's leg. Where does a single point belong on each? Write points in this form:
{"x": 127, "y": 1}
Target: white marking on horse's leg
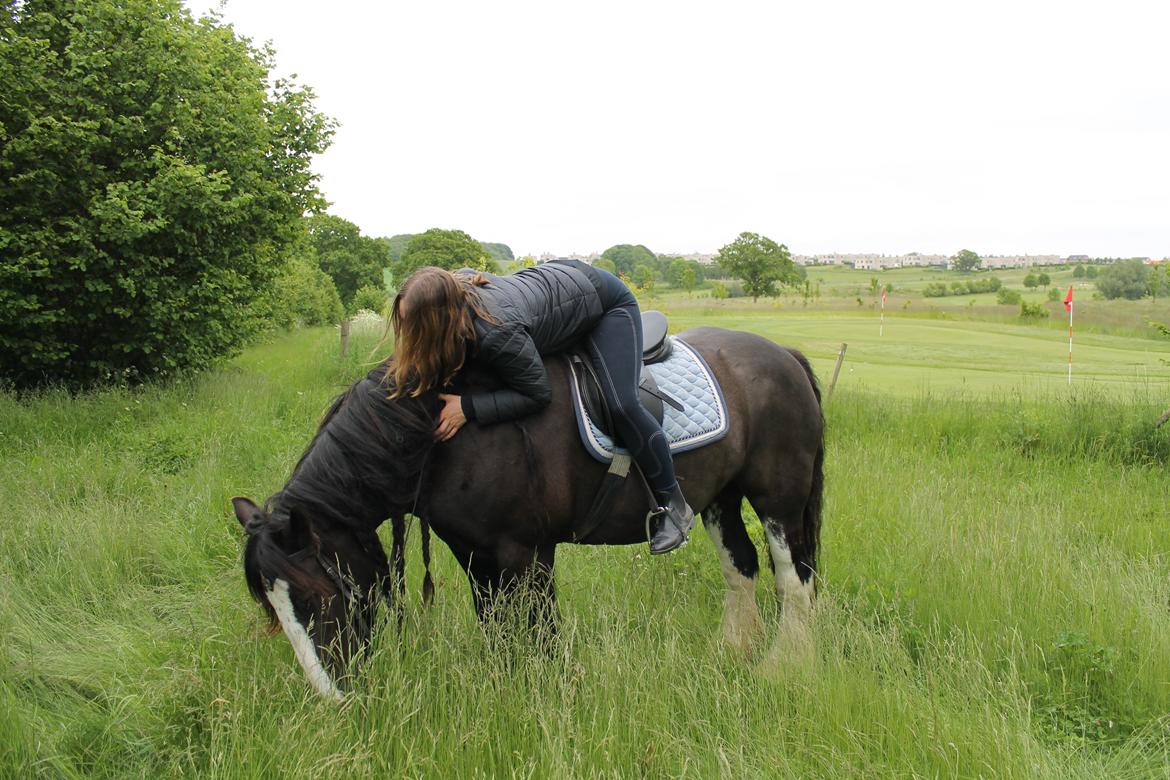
{"x": 741, "y": 616}
{"x": 796, "y": 597}
{"x": 303, "y": 647}
{"x": 796, "y": 600}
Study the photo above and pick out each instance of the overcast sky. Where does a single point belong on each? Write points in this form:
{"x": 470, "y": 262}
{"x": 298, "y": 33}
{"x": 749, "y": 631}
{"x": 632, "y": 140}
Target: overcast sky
{"x": 1003, "y": 127}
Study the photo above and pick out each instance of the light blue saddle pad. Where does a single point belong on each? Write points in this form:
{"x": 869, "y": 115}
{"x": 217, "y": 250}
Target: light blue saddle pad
{"x": 686, "y": 377}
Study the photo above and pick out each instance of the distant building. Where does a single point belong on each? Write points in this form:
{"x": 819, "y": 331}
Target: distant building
{"x": 1020, "y": 261}
{"x": 547, "y": 257}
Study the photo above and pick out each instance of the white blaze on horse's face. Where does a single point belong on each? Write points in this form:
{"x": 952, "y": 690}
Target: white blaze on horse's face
{"x": 303, "y": 646}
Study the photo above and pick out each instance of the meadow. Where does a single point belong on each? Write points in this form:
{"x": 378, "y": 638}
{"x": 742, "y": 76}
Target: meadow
{"x": 994, "y": 594}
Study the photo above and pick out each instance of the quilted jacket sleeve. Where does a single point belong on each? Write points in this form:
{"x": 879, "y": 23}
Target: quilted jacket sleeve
{"x": 508, "y": 351}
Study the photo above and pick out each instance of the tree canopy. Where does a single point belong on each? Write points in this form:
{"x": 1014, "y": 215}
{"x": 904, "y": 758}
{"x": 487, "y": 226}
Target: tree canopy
{"x": 965, "y": 260}
{"x": 450, "y": 249}
{"x": 760, "y": 263}
{"x": 627, "y": 257}
{"x": 1128, "y": 279}
{"x": 350, "y": 259}
{"x": 154, "y": 178}
{"x": 499, "y": 253}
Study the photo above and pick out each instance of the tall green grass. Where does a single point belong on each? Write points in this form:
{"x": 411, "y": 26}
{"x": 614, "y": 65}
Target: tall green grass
{"x": 995, "y": 582}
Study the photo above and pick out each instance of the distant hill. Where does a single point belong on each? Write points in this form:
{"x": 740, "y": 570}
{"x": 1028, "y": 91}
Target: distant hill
{"x": 501, "y": 253}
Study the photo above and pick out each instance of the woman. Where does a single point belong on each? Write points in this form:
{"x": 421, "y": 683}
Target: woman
{"x": 505, "y": 324}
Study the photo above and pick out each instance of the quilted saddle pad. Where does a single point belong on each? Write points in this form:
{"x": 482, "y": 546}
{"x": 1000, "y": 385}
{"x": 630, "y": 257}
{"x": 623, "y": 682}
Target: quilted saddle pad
{"x": 686, "y": 377}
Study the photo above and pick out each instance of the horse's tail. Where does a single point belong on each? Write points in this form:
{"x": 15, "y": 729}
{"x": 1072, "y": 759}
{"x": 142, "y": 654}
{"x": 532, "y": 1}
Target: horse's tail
{"x": 812, "y": 507}
{"x": 428, "y": 587}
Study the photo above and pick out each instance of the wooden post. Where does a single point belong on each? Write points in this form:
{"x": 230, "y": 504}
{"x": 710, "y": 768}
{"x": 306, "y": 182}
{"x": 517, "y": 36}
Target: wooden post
{"x": 837, "y": 368}
{"x": 345, "y": 336}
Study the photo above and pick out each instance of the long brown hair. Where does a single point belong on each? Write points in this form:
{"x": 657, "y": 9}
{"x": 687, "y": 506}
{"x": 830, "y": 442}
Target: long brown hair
{"x": 431, "y": 339}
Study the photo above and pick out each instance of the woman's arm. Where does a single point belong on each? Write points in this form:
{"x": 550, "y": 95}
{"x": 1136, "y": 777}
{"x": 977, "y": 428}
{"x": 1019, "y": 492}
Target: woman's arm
{"x": 508, "y": 351}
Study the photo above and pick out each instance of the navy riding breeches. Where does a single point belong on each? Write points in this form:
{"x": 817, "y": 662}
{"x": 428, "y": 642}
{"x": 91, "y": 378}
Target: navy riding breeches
{"x": 615, "y": 346}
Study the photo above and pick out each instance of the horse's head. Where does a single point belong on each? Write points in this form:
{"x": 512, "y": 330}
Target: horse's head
{"x": 320, "y": 584}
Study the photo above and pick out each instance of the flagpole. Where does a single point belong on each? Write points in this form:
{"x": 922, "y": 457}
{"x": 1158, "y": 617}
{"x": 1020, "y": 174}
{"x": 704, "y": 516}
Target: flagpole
{"x": 1070, "y": 316}
{"x": 882, "y": 326}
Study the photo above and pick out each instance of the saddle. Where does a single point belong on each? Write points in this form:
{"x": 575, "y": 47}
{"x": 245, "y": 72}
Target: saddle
{"x": 657, "y": 346}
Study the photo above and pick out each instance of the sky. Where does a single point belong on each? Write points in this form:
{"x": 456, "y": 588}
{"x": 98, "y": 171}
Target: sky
{"x": 891, "y": 127}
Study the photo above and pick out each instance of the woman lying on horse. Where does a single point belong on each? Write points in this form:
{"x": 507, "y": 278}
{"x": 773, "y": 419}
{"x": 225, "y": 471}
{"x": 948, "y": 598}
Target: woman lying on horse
{"x": 443, "y": 321}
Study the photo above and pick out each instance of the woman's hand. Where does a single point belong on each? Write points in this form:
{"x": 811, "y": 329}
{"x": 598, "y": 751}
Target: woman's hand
{"x": 451, "y": 417}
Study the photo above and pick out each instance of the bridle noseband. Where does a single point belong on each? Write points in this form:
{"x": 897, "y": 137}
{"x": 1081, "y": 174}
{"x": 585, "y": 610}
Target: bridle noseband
{"x": 349, "y": 589}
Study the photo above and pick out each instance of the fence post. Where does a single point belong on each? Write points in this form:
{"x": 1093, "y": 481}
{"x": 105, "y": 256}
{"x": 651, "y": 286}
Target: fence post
{"x": 837, "y": 369}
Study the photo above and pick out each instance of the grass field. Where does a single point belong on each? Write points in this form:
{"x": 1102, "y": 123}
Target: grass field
{"x": 994, "y": 595}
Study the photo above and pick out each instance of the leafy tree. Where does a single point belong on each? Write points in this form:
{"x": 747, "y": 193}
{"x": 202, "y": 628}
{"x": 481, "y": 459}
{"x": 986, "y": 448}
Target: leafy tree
{"x": 644, "y": 277}
{"x": 627, "y": 257}
{"x": 677, "y": 268}
{"x": 353, "y": 261}
{"x": 527, "y": 261}
{"x": 719, "y": 291}
{"x": 1031, "y": 281}
{"x": 501, "y": 253}
{"x": 303, "y": 294}
{"x": 154, "y": 178}
{"x": 965, "y": 260}
{"x": 689, "y": 279}
{"x": 1079, "y": 272}
{"x": 1043, "y": 279}
{"x": 370, "y": 298}
{"x": 760, "y": 263}
{"x": 450, "y": 249}
{"x": 1127, "y": 279}
{"x": 1159, "y": 280}
{"x": 396, "y": 244}
{"x": 606, "y": 264}
{"x": 1008, "y": 296}
{"x": 1091, "y": 272}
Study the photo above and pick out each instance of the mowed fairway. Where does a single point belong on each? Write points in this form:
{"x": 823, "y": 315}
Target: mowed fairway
{"x": 995, "y": 592}
{"x": 918, "y": 355}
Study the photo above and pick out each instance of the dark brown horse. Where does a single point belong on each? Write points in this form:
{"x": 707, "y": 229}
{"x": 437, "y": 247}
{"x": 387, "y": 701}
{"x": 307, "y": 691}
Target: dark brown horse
{"x": 504, "y": 496}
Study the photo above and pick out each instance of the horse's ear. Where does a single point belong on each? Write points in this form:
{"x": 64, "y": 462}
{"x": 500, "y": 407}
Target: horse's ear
{"x": 251, "y": 517}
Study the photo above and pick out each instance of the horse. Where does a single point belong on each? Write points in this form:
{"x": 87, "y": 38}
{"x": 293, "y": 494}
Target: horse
{"x": 503, "y": 496}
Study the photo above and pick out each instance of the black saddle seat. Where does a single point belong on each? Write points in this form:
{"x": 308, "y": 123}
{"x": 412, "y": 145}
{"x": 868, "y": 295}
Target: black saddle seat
{"x": 656, "y": 347}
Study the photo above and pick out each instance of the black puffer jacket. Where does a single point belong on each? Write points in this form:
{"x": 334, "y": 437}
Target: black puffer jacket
{"x": 538, "y": 311}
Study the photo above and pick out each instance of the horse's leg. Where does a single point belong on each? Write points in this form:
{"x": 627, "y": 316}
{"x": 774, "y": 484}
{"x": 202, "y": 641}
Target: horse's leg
{"x": 793, "y": 565}
{"x": 528, "y": 572}
{"x": 737, "y": 555}
{"x": 510, "y": 570}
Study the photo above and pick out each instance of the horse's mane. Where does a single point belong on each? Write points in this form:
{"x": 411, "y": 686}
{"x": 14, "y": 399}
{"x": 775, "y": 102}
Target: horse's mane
{"x": 363, "y": 464}
{"x": 366, "y": 457}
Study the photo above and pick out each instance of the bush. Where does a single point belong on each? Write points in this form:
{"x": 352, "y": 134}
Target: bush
{"x": 1054, "y": 294}
{"x": 719, "y": 290}
{"x": 1008, "y": 297}
{"x": 936, "y": 290}
{"x": 1032, "y": 311}
{"x": 303, "y": 294}
{"x": 370, "y": 298}
{"x": 153, "y": 177}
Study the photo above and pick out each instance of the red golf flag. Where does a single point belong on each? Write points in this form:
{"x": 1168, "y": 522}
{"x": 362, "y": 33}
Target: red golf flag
{"x": 1068, "y": 299}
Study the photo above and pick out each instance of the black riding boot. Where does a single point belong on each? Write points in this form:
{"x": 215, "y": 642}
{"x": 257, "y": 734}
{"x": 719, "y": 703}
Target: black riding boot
{"x": 675, "y": 520}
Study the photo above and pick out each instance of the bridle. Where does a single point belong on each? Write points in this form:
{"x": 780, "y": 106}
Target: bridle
{"x": 350, "y": 591}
